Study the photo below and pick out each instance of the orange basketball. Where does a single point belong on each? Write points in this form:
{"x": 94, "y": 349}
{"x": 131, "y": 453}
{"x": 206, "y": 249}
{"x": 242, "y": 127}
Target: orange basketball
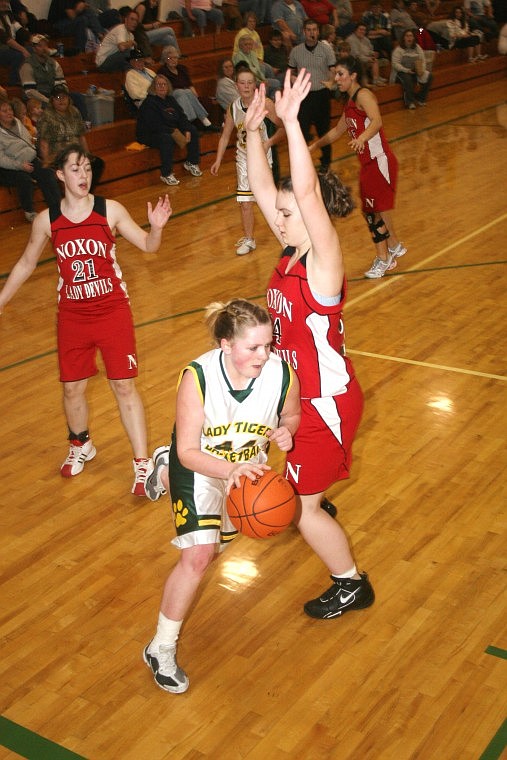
{"x": 263, "y": 507}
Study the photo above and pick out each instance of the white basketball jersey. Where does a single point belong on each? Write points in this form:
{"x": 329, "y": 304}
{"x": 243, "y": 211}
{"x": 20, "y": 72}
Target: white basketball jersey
{"x": 236, "y": 423}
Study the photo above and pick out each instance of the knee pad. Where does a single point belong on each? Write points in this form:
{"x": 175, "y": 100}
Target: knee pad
{"x": 375, "y": 228}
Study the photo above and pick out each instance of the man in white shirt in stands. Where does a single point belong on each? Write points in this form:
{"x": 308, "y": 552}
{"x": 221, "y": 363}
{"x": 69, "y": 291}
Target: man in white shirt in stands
{"x": 138, "y": 78}
{"x": 114, "y": 50}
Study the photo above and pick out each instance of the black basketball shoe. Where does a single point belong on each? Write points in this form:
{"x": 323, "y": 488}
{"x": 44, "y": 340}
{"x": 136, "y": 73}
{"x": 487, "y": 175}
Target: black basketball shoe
{"x": 345, "y": 594}
{"x": 328, "y": 507}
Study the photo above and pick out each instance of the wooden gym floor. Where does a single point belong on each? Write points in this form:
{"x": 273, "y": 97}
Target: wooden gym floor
{"x": 422, "y": 673}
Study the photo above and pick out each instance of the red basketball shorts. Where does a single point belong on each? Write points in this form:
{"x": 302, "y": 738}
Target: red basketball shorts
{"x": 322, "y": 452}
{"x": 377, "y": 183}
{"x": 80, "y": 336}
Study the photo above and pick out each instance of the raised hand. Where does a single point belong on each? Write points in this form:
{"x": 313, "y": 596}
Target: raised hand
{"x": 256, "y": 110}
{"x": 159, "y": 216}
{"x": 287, "y": 102}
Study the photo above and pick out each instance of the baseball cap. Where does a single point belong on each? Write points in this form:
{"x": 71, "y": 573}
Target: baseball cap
{"x": 59, "y": 89}
{"x": 36, "y": 38}
{"x": 136, "y": 54}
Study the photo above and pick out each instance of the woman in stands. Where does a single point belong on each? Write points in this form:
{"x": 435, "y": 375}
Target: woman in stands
{"x": 379, "y": 168}
{"x": 227, "y": 89}
{"x": 183, "y": 90}
{"x": 162, "y": 124}
{"x": 460, "y": 35}
{"x": 408, "y": 67}
{"x": 19, "y": 165}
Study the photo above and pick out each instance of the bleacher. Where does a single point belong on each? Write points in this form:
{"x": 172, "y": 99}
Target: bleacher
{"x": 126, "y": 170}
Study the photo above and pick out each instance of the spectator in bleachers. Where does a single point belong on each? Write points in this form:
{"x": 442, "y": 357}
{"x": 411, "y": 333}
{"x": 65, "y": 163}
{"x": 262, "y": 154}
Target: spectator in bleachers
{"x": 362, "y": 49}
{"x": 140, "y": 37}
{"x": 25, "y": 17}
{"x": 162, "y": 124}
{"x": 40, "y": 73}
{"x": 202, "y": 12}
{"x": 378, "y": 29}
{"x": 138, "y": 79}
{"x": 19, "y": 108}
{"x": 408, "y": 67}
{"x": 12, "y": 54}
{"x": 114, "y": 50}
{"x": 107, "y": 16}
{"x": 346, "y": 24}
{"x": 275, "y": 54}
{"x": 261, "y": 70}
{"x": 232, "y": 14}
{"x": 156, "y": 32}
{"x": 19, "y": 165}
{"x": 60, "y": 125}
{"x": 328, "y": 36}
{"x": 33, "y": 115}
{"x": 480, "y": 16}
{"x": 248, "y": 30}
{"x": 401, "y": 20}
{"x": 227, "y": 90}
{"x": 288, "y": 16}
{"x": 321, "y": 11}
{"x": 460, "y": 35}
{"x": 183, "y": 90}
{"x": 75, "y": 18}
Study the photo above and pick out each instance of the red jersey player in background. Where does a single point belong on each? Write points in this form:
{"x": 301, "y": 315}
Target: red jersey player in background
{"x": 93, "y": 306}
{"x": 379, "y": 168}
{"x": 305, "y": 298}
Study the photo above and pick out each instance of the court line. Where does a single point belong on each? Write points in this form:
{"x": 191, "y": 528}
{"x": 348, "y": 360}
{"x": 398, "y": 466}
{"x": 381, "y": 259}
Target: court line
{"x": 31, "y": 745}
{"x": 428, "y": 365}
{"x": 424, "y": 262}
{"x": 497, "y": 652}
{"x": 497, "y": 745}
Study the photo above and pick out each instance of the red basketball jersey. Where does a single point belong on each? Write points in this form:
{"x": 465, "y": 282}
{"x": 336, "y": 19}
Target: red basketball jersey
{"x": 309, "y": 336}
{"x": 90, "y": 277}
{"x": 357, "y": 121}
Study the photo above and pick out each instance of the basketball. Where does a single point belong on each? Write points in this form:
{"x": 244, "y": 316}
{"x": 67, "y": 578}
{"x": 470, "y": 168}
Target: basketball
{"x": 262, "y": 508}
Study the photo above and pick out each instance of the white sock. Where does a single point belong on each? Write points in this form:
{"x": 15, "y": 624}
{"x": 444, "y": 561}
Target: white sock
{"x": 206, "y": 122}
{"x": 167, "y": 631}
{"x": 348, "y": 573}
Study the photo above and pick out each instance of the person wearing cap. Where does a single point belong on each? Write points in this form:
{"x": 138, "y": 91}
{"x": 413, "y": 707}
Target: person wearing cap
{"x": 40, "y": 73}
{"x": 138, "y": 78}
{"x": 113, "y": 53}
{"x": 61, "y": 124}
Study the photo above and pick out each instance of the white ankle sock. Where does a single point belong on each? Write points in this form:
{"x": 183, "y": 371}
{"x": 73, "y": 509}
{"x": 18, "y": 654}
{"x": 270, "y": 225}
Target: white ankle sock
{"x": 167, "y": 631}
{"x": 348, "y": 573}
{"x": 206, "y": 122}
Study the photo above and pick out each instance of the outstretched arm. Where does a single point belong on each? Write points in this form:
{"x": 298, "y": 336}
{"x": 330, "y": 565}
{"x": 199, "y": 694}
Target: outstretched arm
{"x": 25, "y": 265}
{"x": 120, "y": 219}
{"x": 334, "y": 134}
{"x": 260, "y": 177}
{"x": 325, "y": 264}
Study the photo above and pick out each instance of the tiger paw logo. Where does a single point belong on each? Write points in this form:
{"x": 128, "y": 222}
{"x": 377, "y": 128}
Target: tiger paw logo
{"x": 180, "y": 513}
